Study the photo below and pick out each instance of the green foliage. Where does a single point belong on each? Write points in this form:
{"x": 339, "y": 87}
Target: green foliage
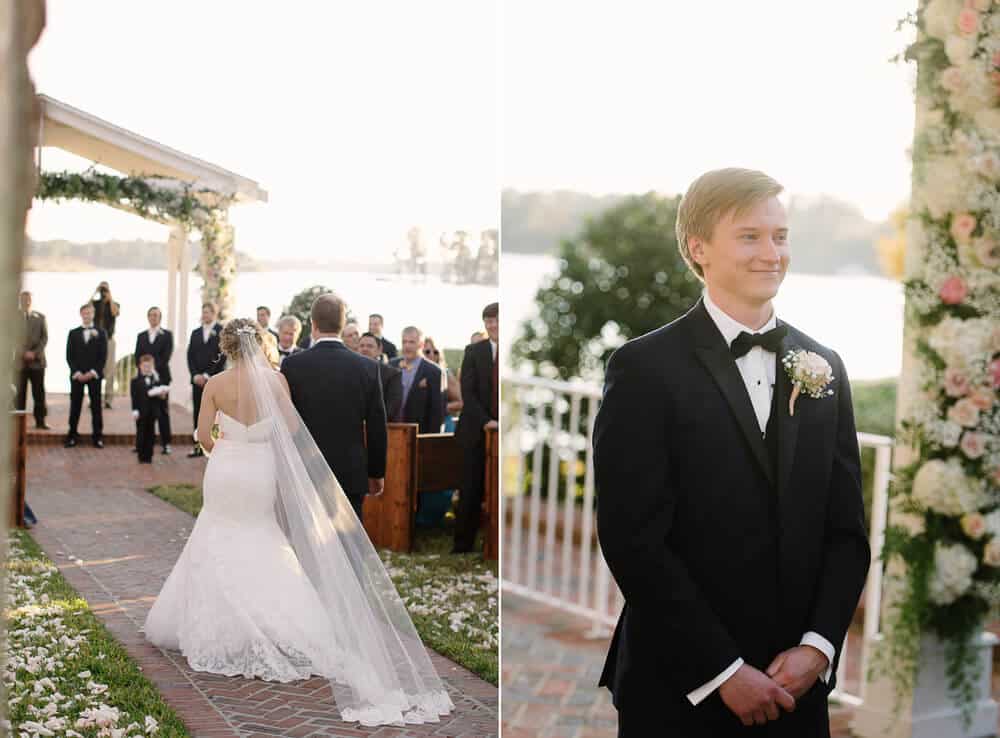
{"x": 301, "y": 307}
{"x": 622, "y": 276}
{"x": 874, "y": 412}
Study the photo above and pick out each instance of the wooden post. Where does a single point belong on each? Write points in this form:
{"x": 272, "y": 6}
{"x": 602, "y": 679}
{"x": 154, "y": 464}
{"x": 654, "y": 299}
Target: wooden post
{"x": 18, "y": 467}
{"x": 388, "y": 518}
{"x": 491, "y": 496}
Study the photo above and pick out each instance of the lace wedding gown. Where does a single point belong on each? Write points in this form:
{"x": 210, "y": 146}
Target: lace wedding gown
{"x": 278, "y": 579}
{"x": 237, "y": 601}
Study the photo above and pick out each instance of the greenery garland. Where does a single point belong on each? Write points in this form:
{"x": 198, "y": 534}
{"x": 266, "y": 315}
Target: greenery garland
{"x": 171, "y": 202}
{"x": 948, "y": 499}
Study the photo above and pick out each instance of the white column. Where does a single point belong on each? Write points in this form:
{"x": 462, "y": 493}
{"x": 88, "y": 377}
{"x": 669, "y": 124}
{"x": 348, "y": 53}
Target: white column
{"x": 176, "y": 317}
{"x": 182, "y": 390}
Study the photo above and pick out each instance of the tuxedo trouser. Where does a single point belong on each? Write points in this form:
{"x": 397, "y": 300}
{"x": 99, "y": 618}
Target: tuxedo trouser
{"x": 37, "y": 379}
{"x": 109, "y": 371}
{"x": 76, "y": 404}
{"x": 162, "y": 417}
{"x": 470, "y": 497}
{"x": 196, "y": 393}
{"x": 144, "y": 436}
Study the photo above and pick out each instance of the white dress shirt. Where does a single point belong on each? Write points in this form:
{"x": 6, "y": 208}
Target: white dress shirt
{"x": 206, "y": 331}
{"x": 327, "y": 338}
{"x": 757, "y": 367}
{"x": 493, "y": 348}
{"x": 154, "y": 332}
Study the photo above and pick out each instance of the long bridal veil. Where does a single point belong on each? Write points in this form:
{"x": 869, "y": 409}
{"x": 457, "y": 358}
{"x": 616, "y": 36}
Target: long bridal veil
{"x": 377, "y": 665}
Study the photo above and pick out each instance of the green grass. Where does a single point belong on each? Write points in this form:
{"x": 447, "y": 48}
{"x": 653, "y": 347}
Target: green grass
{"x": 874, "y": 412}
{"x": 34, "y": 580}
{"x": 436, "y": 586}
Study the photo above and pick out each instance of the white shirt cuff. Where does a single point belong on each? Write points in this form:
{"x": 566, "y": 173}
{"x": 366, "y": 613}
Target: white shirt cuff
{"x": 825, "y": 647}
{"x": 706, "y": 689}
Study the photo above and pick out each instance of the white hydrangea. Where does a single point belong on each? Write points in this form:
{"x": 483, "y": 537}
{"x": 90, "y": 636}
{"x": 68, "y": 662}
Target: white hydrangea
{"x": 962, "y": 343}
{"x": 944, "y": 487}
{"x": 954, "y": 566}
{"x": 941, "y": 17}
{"x": 942, "y": 185}
{"x": 959, "y": 48}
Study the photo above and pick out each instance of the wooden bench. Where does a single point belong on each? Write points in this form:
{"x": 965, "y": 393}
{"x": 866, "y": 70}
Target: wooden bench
{"x": 424, "y": 462}
{"x": 19, "y": 457}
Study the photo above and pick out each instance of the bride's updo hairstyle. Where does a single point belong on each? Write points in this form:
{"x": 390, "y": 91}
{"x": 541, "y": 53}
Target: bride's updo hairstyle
{"x": 229, "y": 339}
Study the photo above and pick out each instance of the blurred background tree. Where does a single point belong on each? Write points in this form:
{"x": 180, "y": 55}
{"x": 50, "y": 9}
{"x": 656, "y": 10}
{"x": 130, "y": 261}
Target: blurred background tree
{"x": 620, "y": 277}
{"x": 301, "y": 307}
{"x": 891, "y": 249}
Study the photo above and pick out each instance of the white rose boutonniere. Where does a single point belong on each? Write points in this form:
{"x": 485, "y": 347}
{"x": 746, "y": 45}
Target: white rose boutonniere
{"x": 810, "y": 373}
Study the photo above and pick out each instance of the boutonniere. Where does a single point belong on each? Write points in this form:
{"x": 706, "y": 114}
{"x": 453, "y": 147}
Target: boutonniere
{"x": 810, "y": 373}
{"x": 422, "y": 382}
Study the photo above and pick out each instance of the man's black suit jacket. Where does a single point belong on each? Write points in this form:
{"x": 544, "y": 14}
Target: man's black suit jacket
{"x": 392, "y": 390}
{"x": 161, "y": 350}
{"x": 141, "y": 401}
{"x": 719, "y": 556}
{"x": 82, "y": 356}
{"x": 205, "y": 357}
{"x": 477, "y": 393}
{"x": 338, "y": 393}
{"x": 423, "y": 404}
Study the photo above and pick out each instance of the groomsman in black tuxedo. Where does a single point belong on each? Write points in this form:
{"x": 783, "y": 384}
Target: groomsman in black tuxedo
{"x": 264, "y": 318}
{"x": 729, "y": 508}
{"x": 392, "y": 378}
{"x": 375, "y": 323}
{"x": 86, "y": 352}
{"x": 158, "y": 342}
{"x": 422, "y": 386}
{"x": 338, "y": 393}
{"x": 204, "y": 360}
{"x": 480, "y": 411}
{"x": 32, "y": 361}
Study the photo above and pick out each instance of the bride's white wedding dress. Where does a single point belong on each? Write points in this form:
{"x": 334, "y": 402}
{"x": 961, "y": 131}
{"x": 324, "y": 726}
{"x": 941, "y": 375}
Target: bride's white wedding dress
{"x": 279, "y": 581}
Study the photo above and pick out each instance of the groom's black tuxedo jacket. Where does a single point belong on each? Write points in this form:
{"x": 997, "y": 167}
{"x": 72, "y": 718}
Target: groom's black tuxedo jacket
{"x": 724, "y": 544}
{"x": 338, "y": 393}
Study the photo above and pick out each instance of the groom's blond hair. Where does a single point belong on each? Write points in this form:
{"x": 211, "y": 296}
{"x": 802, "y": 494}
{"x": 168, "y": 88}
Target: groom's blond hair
{"x": 714, "y": 195}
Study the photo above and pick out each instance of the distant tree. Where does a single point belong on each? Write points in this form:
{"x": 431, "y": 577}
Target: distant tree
{"x": 301, "y": 308}
{"x": 620, "y": 277}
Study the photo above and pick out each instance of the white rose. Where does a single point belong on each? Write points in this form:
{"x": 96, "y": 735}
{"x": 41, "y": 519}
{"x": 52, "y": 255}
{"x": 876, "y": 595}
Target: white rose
{"x": 987, "y": 120}
{"x": 974, "y": 525}
{"x": 954, "y": 566}
{"x": 944, "y": 487}
{"x": 954, "y": 79}
{"x": 991, "y": 554}
{"x": 993, "y": 523}
{"x": 973, "y": 444}
{"x": 941, "y": 185}
{"x": 959, "y": 49}
{"x": 950, "y": 433}
{"x": 940, "y": 17}
{"x": 964, "y": 412}
{"x": 987, "y": 164}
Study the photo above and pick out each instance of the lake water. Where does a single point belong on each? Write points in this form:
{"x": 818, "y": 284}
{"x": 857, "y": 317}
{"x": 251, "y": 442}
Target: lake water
{"x": 447, "y": 312}
{"x": 859, "y": 317}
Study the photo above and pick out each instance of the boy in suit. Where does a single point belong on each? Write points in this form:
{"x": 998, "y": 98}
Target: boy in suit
{"x": 158, "y": 343}
{"x": 86, "y": 353}
{"x": 148, "y": 396}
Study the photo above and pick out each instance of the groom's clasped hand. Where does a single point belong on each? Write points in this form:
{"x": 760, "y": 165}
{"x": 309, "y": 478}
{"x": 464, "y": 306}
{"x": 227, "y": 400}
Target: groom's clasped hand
{"x": 755, "y": 697}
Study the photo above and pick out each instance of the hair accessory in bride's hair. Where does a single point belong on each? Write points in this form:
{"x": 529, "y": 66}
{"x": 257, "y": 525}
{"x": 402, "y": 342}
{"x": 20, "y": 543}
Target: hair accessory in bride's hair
{"x": 247, "y": 330}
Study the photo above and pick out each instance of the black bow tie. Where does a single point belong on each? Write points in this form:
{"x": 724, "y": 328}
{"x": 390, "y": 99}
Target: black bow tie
{"x": 769, "y": 341}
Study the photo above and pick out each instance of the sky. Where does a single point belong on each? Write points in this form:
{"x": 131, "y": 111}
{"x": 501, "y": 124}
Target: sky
{"x": 359, "y": 119}
{"x": 630, "y": 96}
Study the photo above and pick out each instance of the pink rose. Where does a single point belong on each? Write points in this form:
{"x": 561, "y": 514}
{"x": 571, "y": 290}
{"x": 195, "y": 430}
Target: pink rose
{"x": 953, "y": 80}
{"x": 953, "y": 290}
{"x": 995, "y": 372}
{"x": 991, "y": 554}
{"x": 962, "y": 226}
{"x": 964, "y": 413}
{"x": 996, "y": 58}
{"x": 968, "y": 21}
{"x": 987, "y": 251}
{"x": 973, "y": 445}
{"x": 956, "y": 384}
{"x": 982, "y": 398}
{"x": 974, "y": 525}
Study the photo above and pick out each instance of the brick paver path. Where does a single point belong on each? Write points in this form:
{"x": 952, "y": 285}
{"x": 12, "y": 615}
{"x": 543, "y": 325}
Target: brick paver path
{"x": 118, "y": 424}
{"x": 92, "y": 505}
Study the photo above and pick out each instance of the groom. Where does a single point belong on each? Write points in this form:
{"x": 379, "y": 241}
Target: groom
{"x": 338, "y": 393}
{"x": 733, "y": 526}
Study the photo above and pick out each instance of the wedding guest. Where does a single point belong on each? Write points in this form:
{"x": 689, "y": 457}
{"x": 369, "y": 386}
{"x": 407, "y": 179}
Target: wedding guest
{"x": 158, "y": 342}
{"x": 264, "y": 318}
{"x": 204, "y": 359}
{"x": 451, "y": 392}
{"x": 86, "y": 352}
{"x": 32, "y": 361}
{"x": 478, "y": 336}
{"x": 149, "y": 394}
{"x": 289, "y": 328}
{"x": 105, "y": 316}
{"x": 422, "y": 383}
{"x": 351, "y": 335}
{"x": 375, "y": 323}
{"x": 480, "y": 412}
{"x": 392, "y": 377}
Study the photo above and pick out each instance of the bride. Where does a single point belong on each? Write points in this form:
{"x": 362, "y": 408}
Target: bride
{"x": 278, "y": 579}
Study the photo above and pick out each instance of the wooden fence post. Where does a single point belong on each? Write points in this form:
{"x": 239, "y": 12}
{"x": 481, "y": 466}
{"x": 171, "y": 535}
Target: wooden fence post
{"x": 491, "y": 496}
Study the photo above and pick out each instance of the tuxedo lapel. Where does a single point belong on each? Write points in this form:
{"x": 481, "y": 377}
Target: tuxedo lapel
{"x": 788, "y": 424}
{"x": 714, "y": 354}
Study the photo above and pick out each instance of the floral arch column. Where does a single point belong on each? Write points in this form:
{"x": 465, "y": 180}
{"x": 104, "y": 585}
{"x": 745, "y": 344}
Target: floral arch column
{"x": 943, "y": 543}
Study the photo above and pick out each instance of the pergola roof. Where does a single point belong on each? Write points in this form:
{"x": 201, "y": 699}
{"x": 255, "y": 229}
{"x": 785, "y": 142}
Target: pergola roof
{"x": 90, "y": 137}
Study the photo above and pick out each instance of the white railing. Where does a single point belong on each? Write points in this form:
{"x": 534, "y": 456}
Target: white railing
{"x": 550, "y": 549}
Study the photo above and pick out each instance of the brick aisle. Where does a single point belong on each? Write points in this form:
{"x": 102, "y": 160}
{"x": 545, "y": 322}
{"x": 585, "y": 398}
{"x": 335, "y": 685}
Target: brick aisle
{"x": 118, "y": 424}
{"x": 91, "y": 505}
